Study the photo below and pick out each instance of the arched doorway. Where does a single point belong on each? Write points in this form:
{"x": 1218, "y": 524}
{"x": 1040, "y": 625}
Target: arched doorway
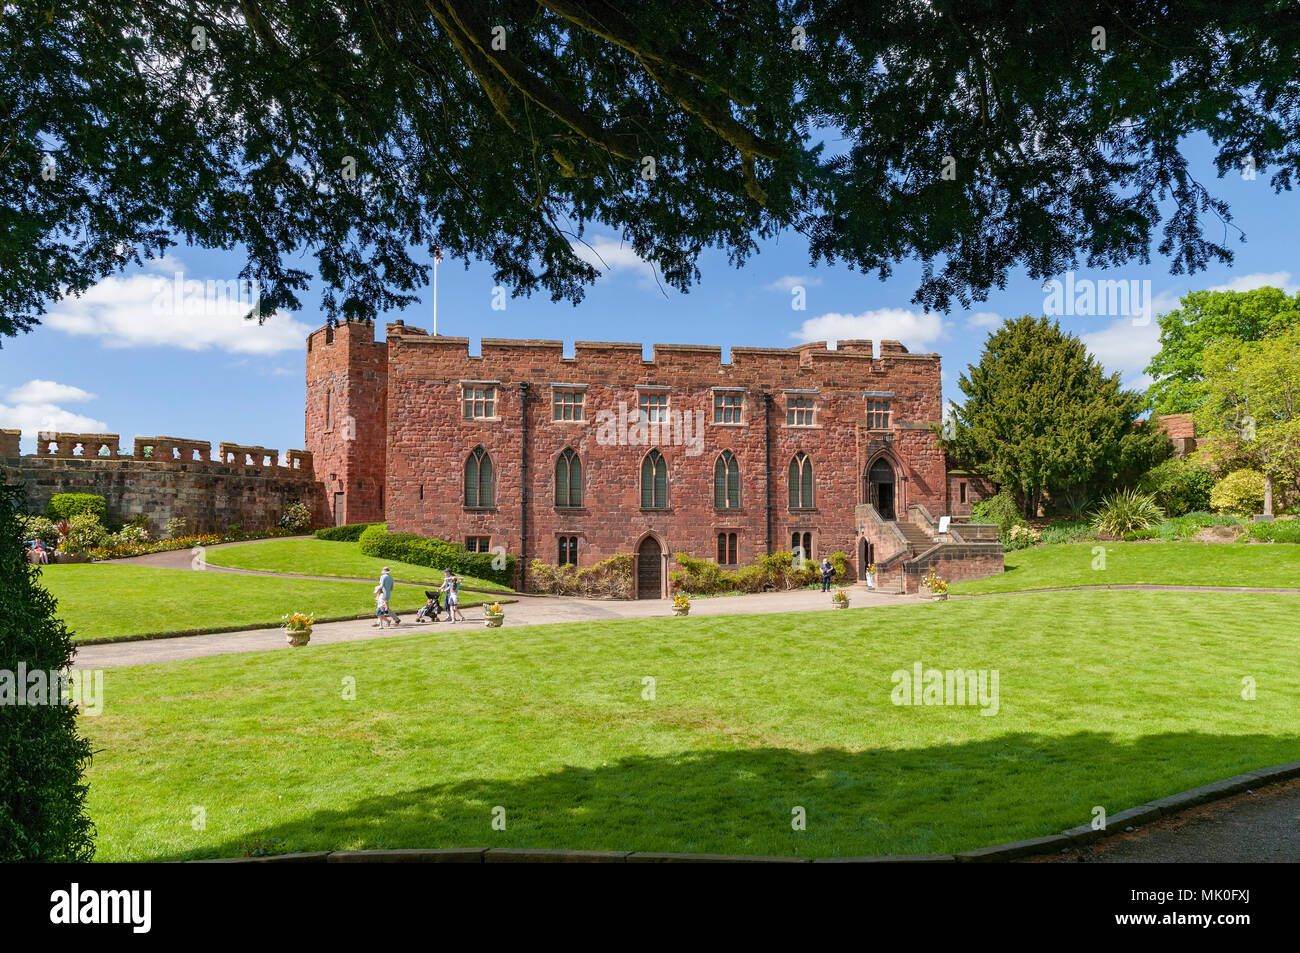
{"x": 649, "y": 569}
{"x": 880, "y": 488}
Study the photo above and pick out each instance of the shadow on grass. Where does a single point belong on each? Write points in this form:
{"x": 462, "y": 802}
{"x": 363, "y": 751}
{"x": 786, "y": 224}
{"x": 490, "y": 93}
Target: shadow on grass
{"x": 938, "y": 799}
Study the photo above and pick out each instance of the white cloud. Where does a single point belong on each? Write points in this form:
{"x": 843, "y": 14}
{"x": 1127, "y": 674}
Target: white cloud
{"x": 158, "y": 309}
{"x": 35, "y": 407}
{"x": 610, "y": 255}
{"x": 984, "y": 319}
{"x": 917, "y": 330}
{"x": 1124, "y": 347}
{"x": 1127, "y": 348}
{"x": 790, "y": 282}
{"x": 32, "y": 418}
{"x": 1259, "y": 279}
{"x": 47, "y": 392}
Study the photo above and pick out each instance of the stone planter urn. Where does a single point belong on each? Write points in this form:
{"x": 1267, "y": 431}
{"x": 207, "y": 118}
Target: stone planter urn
{"x": 494, "y": 620}
{"x": 841, "y": 605}
{"x": 685, "y": 611}
{"x": 939, "y": 597}
{"x": 297, "y": 637}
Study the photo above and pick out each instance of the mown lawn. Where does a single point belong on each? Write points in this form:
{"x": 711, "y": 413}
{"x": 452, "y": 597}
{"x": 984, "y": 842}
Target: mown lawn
{"x": 1105, "y": 698}
{"x": 319, "y": 557}
{"x": 1270, "y": 565}
{"x": 107, "y": 600}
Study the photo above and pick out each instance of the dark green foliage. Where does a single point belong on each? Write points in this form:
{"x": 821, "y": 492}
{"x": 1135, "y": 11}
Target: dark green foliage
{"x": 1059, "y": 152}
{"x": 64, "y": 506}
{"x": 1001, "y": 509}
{"x": 436, "y": 554}
{"x": 42, "y": 757}
{"x": 1041, "y": 416}
{"x": 349, "y": 533}
{"x": 1179, "y": 486}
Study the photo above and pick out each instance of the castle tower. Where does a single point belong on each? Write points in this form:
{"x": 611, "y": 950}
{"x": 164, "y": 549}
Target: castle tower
{"x": 346, "y": 430}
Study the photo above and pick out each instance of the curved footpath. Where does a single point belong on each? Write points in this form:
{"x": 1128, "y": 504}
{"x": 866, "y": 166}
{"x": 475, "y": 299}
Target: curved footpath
{"x": 525, "y": 610}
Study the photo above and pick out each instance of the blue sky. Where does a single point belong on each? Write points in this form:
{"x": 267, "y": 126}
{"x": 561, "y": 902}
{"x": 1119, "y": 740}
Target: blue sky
{"x": 120, "y": 359}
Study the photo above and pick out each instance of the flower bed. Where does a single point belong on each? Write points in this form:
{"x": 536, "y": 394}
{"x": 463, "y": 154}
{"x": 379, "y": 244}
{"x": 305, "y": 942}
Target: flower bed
{"x": 121, "y": 551}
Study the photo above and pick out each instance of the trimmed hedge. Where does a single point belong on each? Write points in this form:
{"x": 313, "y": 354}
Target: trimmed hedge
{"x": 64, "y": 506}
{"x": 436, "y": 554}
{"x": 350, "y": 533}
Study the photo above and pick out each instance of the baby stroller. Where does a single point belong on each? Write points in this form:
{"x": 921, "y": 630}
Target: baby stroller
{"x": 431, "y": 608}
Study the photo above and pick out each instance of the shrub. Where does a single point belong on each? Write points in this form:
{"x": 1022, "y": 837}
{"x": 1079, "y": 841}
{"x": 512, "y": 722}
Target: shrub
{"x": 349, "y": 533}
{"x": 132, "y": 534}
{"x": 1278, "y": 531}
{"x": 1000, "y": 509}
{"x": 436, "y": 554}
{"x": 1139, "y": 534}
{"x": 64, "y": 506}
{"x": 42, "y": 757}
{"x": 1241, "y": 493}
{"x": 1178, "y": 485}
{"x": 1022, "y": 537}
{"x": 176, "y": 527}
{"x": 38, "y": 527}
{"x": 610, "y": 578}
{"x": 776, "y": 571}
{"x": 1126, "y": 512}
{"x": 296, "y": 517}
{"x": 84, "y": 533}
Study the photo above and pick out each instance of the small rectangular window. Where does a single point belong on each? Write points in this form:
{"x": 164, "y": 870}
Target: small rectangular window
{"x": 480, "y": 402}
{"x": 727, "y": 408}
{"x": 799, "y": 412}
{"x": 962, "y": 489}
{"x": 878, "y": 414}
{"x": 654, "y": 408}
{"x": 568, "y": 405}
{"x": 568, "y": 551}
{"x": 478, "y": 544}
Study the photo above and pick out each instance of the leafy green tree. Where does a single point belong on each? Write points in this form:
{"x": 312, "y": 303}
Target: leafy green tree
{"x": 979, "y": 137}
{"x": 1041, "y": 416}
{"x": 42, "y": 757}
{"x": 1204, "y": 319}
{"x": 1252, "y": 407}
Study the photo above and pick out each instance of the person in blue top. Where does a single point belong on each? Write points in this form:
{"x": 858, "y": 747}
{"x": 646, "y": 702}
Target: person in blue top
{"x": 386, "y": 580}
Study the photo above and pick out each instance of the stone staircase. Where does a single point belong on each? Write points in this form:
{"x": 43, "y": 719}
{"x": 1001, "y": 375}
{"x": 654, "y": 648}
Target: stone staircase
{"x": 918, "y": 539}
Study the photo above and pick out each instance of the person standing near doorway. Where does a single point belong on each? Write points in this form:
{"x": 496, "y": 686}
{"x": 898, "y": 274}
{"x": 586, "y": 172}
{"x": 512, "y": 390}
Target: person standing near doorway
{"x": 828, "y": 570}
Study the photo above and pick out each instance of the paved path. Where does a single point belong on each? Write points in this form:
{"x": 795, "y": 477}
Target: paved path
{"x": 1258, "y": 826}
{"x": 528, "y": 610}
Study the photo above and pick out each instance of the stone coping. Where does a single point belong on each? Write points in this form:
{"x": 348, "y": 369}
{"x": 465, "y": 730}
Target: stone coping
{"x": 1053, "y": 843}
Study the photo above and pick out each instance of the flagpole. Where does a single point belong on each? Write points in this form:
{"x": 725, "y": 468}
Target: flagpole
{"x": 437, "y": 254}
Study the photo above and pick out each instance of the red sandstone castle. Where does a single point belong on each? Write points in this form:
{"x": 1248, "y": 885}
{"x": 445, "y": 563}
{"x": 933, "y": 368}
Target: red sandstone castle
{"x": 575, "y": 459}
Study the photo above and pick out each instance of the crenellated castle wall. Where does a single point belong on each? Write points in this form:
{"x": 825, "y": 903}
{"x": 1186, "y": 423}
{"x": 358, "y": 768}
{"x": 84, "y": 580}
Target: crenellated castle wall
{"x": 164, "y": 478}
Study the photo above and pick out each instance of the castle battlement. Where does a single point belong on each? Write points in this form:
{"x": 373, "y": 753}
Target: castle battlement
{"x": 416, "y": 352}
{"x": 156, "y": 452}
